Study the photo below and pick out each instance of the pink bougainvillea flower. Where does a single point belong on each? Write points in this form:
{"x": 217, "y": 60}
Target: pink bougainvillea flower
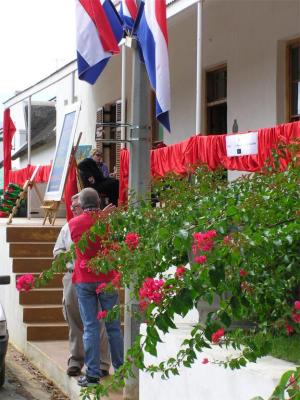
{"x": 216, "y": 336}
{"x": 180, "y": 271}
{"x": 200, "y": 259}
{"x": 289, "y": 329}
{"x": 152, "y": 290}
{"x": 296, "y": 318}
{"x": 132, "y": 240}
{"x": 25, "y": 283}
{"x": 116, "y": 281}
{"x": 205, "y": 361}
{"x": 100, "y": 287}
{"x": 292, "y": 380}
{"x": 297, "y": 305}
{"x": 203, "y": 241}
{"x": 243, "y": 272}
{"x": 143, "y": 305}
{"x": 227, "y": 239}
{"x": 101, "y": 314}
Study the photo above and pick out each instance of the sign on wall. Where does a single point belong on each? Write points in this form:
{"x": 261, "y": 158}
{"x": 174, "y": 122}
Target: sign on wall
{"x": 242, "y": 144}
{"x": 60, "y": 165}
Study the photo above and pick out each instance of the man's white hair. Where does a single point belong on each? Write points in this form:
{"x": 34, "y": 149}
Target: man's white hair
{"x": 89, "y": 198}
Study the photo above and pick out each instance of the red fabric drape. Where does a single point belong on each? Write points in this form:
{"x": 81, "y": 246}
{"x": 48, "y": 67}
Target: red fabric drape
{"x": 9, "y": 130}
{"x": 211, "y": 150}
{"x": 70, "y": 189}
{"x": 20, "y": 176}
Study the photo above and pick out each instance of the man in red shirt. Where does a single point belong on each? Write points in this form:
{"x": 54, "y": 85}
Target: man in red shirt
{"x": 86, "y": 283}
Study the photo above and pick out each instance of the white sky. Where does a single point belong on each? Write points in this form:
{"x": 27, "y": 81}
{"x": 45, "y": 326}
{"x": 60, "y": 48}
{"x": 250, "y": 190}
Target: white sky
{"x": 36, "y": 38}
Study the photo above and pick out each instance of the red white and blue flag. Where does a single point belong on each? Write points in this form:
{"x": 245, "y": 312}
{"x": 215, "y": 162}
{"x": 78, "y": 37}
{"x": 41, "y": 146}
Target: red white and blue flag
{"x": 99, "y": 30}
{"x": 152, "y": 36}
{"x": 128, "y": 13}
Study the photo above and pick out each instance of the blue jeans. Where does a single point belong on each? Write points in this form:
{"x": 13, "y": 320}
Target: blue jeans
{"x": 88, "y": 306}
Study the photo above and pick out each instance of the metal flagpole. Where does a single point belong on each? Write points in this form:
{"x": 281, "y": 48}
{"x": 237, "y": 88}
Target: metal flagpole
{"x": 123, "y": 96}
{"x": 199, "y": 67}
{"x": 139, "y": 184}
{"x": 29, "y": 154}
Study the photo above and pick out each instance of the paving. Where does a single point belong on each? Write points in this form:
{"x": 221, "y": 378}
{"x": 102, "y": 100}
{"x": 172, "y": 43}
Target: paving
{"x": 25, "y": 382}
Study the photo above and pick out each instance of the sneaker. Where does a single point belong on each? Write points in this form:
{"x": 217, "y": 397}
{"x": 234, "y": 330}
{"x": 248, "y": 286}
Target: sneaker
{"x": 103, "y": 373}
{"x": 86, "y": 380}
{"x": 73, "y": 371}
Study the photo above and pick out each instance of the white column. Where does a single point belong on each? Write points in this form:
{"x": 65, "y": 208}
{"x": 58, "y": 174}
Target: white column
{"x": 29, "y": 153}
{"x": 199, "y": 68}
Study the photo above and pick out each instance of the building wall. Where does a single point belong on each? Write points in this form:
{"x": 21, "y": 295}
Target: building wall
{"x": 249, "y": 36}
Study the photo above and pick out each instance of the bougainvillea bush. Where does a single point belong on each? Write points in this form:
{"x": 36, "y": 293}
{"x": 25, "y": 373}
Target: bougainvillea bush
{"x": 236, "y": 242}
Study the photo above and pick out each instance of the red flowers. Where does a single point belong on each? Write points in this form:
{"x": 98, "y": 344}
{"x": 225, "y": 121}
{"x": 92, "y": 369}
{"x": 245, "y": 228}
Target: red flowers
{"x": 243, "y": 273}
{"x": 116, "y": 281}
{"x": 289, "y": 329}
{"x": 180, "y": 271}
{"x": 25, "y": 282}
{"x": 151, "y": 291}
{"x": 100, "y": 287}
{"x": 101, "y": 314}
{"x": 132, "y": 240}
{"x": 216, "y": 337}
{"x": 297, "y": 305}
{"x": 205, "y": 361}
{"x": 203, "y": 241}
{"x": 200, "y": 259}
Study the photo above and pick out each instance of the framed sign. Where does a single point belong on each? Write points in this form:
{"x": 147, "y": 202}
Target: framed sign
{"x": 60, "y": 165}
{"x": 242, "y": 144}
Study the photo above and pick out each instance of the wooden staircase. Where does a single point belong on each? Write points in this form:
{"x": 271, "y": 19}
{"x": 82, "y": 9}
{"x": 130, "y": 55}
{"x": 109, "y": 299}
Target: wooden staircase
{"x": 31, "y": 248}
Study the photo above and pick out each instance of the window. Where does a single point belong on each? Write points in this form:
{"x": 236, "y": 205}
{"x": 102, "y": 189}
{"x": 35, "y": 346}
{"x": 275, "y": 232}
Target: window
{"x": 216, "y": 101}
{"x": 294, "y": 81}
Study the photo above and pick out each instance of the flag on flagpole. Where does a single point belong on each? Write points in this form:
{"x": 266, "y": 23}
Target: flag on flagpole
{"x": 9, "y": 130}
{"x": 128, "y": 13}
{"x": 99, "y": 30}
{"x": 152, "y": 37}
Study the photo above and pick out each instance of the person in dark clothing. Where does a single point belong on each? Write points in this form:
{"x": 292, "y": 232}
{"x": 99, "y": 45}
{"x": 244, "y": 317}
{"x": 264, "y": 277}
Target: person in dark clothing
{"x": 92, "y": 176}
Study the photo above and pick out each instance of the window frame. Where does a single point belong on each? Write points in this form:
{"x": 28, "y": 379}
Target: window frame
{"x": 289, "y": 45}
{"x": 220, "y": 101}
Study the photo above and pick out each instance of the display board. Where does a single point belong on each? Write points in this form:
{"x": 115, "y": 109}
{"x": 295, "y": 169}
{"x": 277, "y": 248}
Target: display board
{"x": 60, "y": 165}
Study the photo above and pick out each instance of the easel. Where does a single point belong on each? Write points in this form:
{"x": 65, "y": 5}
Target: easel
{"x": 50, "y": 207}
{"x": 23, "y": 194}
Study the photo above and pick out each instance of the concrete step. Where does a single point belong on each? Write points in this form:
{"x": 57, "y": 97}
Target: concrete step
{"x": 31, "y": 265}
{"x": 41, "y": 296}
{"x": 43, "y": 314}
{"x": 30, "y": 249}
{"x": 56, "y": 282}
{"x": 32, "y": 233}
{"x": 49, "y": 331}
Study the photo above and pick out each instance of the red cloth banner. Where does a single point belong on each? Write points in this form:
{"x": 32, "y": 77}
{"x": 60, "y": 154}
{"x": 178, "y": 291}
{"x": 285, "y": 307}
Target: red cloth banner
{"x": 211, "y": 150}
{"x": 9, "y": 130}
{"x": 20, "y": 176}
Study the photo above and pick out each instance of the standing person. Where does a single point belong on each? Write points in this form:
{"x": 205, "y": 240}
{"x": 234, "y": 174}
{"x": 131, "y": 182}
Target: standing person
{"x": 97, "y": 156}
{"x": 86, "y": 283}
{"x": 71, "y": 307}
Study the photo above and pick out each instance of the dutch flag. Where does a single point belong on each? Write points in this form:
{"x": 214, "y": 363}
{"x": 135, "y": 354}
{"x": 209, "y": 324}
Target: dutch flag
{"x": 152, "y": 36}
{"x": 128, "y": 13}
{"x": 99, "y": 30}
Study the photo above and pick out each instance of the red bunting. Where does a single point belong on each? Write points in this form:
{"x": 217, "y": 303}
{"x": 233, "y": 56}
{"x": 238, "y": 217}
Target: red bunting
{"x": 210, "y": 150}
{"x": 9, "y": 130}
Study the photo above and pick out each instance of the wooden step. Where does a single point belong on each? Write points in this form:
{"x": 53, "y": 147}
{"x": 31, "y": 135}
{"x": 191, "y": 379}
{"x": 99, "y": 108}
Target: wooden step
{"x": 32, "y": 233}
{"x": 41, "y": 296}
{"x": 43, "y": 314}
{"x": 31, "y": 265}
{"x": 35, "y": 250}
{"x": 46, "y": 332}
{"x": 56, "y": 282}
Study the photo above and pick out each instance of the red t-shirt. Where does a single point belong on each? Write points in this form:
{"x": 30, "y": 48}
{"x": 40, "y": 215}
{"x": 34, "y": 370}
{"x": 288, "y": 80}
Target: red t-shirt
{"x": 82, "y": 272}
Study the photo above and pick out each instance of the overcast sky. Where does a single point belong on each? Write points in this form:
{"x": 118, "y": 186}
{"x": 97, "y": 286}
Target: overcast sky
{"x": 36, "y": 38}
